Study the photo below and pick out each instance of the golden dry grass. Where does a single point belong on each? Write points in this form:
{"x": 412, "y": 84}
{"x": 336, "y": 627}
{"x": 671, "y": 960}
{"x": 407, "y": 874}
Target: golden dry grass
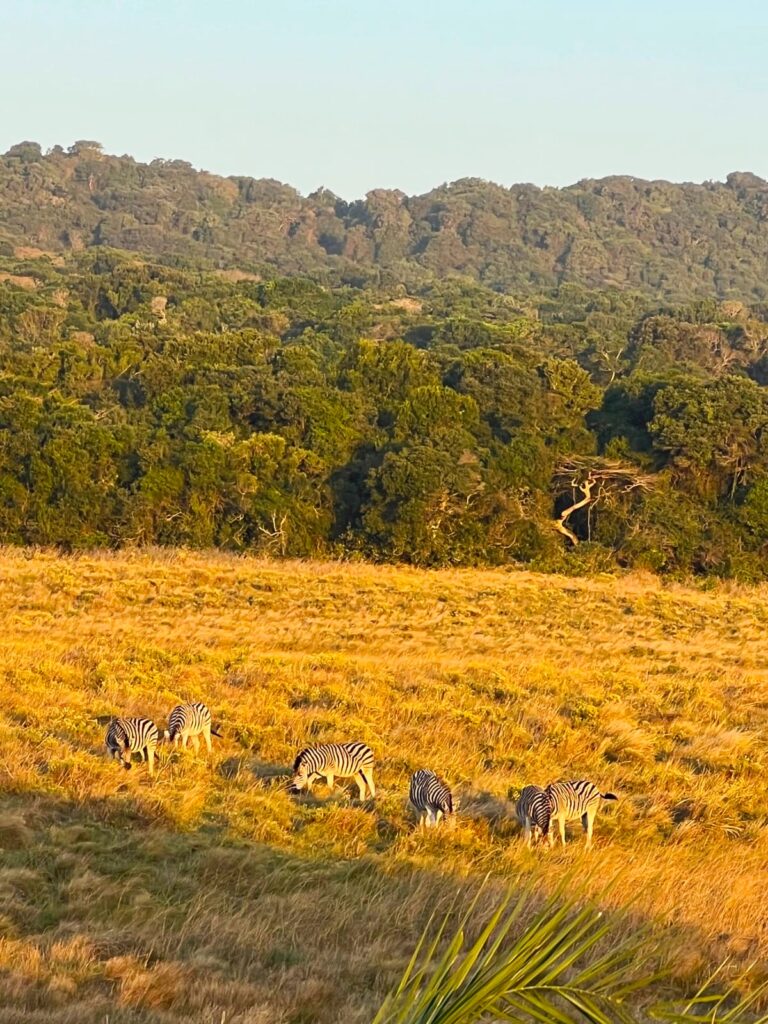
{"x": 212, "y": 894}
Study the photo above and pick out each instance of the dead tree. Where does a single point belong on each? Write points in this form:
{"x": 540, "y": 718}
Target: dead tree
{"x": 592, "y": 481}
{"x": 277, "y": 537}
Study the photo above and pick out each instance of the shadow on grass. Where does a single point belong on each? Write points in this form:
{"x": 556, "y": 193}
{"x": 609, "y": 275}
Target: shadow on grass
{"x": 129, "y": 917}
{"x": 495, "y": 810}
{"x": 268, "y": 775}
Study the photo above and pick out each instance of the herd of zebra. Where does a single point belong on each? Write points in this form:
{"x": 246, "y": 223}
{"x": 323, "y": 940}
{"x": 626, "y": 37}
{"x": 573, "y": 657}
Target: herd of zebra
{"x": 537, "y": 808}
{"x": 126, "y": 736}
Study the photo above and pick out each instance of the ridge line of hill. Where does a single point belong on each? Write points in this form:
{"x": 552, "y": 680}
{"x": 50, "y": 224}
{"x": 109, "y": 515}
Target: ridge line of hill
{"x": 667, "y": 240}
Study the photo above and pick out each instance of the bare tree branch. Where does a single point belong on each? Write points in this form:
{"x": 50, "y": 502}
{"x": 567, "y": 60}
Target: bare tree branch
{"x": 277, "y": 534}
{"x": 585, "y": 487}
{"x": 597, "y": 480}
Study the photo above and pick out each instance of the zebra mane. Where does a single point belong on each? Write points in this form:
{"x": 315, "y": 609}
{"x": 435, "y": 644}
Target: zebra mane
{"x": 299, "y": 758}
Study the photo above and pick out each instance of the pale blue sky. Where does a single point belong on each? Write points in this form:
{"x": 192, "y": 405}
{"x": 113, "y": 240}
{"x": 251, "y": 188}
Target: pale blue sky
{"x": 360, "y": 95}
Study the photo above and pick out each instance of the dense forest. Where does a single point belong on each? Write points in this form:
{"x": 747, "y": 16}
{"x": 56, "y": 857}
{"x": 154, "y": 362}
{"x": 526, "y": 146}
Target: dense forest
{"x": 670, "y": 242}
{"x": 150, "y": 402}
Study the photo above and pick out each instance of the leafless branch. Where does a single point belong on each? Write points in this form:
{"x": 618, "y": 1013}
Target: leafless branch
{"x": 596, "y": 480}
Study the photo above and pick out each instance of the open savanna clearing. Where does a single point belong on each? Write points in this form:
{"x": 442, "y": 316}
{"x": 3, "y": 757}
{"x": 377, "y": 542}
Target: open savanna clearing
{"x": 213, "y": 894}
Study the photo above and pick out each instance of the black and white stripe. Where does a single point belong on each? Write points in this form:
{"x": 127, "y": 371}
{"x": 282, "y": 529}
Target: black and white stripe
{"x": 431, "y": 797}
{"x": 332, "y": 760}
{"x": 571, "y": 800}
{"x": 126, "y": 736}
{"x": 534, "y": 813}
{"x": 189, "y": 722}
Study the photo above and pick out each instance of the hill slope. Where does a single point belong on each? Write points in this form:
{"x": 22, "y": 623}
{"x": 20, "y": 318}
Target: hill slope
{"x": 668, "y": 240}
{"x": 212, "y": 892}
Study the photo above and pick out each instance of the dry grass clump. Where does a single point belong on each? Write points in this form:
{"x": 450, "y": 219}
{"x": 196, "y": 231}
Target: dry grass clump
{"x": 627, "y": 740}
{"x": 212, "y": 891}
{"x": 14, "y": 832}
{"x": 730, "y": 750}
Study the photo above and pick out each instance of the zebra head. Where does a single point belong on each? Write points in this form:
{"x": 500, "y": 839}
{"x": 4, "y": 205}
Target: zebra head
{"x": 172, "y": 735}
{"x": 450, "y": 810}
{"x": 541, "y": 819}
{"x": 121, "y": 754}
{"x": 117, "y": 746}
{"x": 539, "y": 832}
{"x": 301, "y": 773}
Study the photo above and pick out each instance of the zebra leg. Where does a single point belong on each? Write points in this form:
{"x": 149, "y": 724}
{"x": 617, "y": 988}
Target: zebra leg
{"x": 196, "y": 743}
{"x": 362, "y": 785}
{"x": 151, "y": 760}
{"x": 527, "y": 832}
{"x": 438, "y": 816}
{"x": 367, "y": 774}
{"x": 561, "y": 827}
{"x": 207, "y": 735}
{"x": 329, "y": 778}
{"x": 587, "y": 821}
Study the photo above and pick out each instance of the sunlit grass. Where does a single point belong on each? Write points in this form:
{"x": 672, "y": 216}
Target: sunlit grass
{"x": 212, "y": 890}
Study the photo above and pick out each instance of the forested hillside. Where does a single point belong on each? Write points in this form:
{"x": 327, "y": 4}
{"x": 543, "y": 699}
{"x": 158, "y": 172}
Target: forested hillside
{"x": 666, "y": 240}
{"x": 445, "y": 424}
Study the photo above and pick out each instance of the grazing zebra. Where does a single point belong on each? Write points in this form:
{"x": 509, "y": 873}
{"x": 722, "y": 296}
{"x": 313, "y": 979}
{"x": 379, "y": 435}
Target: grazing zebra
{"x": 188, "y": 722}
{"x": 534, "y": 813}
{"x": 126, "y": 736}
{"x": 571, "y": 800}
{"x": 335, "y": 759}
{"x": 431, "y": 797}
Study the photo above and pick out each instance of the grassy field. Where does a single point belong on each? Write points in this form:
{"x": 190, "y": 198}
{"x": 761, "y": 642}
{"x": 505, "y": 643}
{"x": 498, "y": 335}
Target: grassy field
{"x": 212, "y": 894}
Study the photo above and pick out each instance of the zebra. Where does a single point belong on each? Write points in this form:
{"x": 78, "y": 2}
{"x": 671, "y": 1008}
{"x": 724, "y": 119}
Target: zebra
{"x": 133, "y": 735}
{"x": 431, "y": 797}
{"x": 534, "y": 813}
{"x": 571, "y": 800}
{"x": 189, "y": 721}
{"x": 335, "y": 759}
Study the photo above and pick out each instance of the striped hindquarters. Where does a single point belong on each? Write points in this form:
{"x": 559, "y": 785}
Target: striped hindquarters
{"x": 571, "y": 800}
{"x": 131, "y": 735}
{"x": 534, "y": 811}
{"x": 430, "y": 795}
{"x": 191, "y": 719}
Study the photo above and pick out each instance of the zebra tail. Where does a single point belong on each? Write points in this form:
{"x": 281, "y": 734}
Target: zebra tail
{"x": 215, "y": 732}
{"x": 608, "y": 796}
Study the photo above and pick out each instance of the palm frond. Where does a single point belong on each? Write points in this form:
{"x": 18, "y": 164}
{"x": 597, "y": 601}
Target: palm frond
{"x": 708, "y": 1007}
{"x": 541, "y": 975}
